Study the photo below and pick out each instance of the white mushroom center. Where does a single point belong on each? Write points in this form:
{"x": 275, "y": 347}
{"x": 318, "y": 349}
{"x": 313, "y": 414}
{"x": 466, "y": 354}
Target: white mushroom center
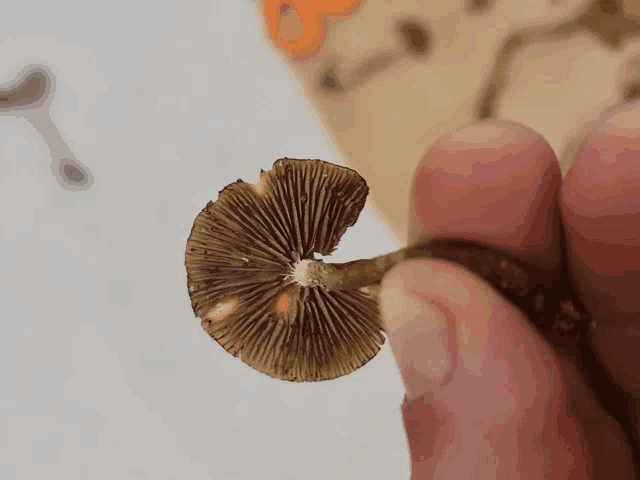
{"x": 308, "y": 272}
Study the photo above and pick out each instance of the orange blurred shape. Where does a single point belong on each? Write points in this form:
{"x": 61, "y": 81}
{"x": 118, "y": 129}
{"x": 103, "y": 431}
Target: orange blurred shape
{"x": 312, "y": 14}
{"x": 283, "y": 304}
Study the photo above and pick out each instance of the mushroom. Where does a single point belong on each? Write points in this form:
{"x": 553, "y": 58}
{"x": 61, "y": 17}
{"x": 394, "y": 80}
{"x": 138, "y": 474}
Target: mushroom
{"x": 259, "y": 291}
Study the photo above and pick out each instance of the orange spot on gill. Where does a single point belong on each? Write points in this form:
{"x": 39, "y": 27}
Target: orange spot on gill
{"x": 284, "y": 302}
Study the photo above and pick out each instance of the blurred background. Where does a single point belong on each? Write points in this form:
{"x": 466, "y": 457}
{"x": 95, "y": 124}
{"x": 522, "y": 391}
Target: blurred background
{"x": 120, "y": 121}
{"x": 386, "y": 79}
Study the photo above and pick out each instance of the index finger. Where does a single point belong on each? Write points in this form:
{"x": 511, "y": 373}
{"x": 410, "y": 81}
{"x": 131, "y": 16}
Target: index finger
{"x": 495, "y": 183}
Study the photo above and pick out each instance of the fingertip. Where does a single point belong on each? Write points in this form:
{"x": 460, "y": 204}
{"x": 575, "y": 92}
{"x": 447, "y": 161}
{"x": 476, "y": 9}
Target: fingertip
{"x": 426, "y": 277}
{"x": 499, "y": 364}
{"x": 487, "y": 182}
{"x": 485, "y": 322}
{"x": 455, "y": 291}
{"x": 600, "y": 204}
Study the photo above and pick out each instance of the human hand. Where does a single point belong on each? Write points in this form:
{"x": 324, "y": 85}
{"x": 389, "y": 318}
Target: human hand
{"x": 487, "y": 397}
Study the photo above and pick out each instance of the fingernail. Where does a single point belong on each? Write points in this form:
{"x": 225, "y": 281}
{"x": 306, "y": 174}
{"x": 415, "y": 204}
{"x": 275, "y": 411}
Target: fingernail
{"x": 420, "y": 339}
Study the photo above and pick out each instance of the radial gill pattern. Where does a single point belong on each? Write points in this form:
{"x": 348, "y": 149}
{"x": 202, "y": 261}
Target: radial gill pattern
{"x": 240, "y": 257}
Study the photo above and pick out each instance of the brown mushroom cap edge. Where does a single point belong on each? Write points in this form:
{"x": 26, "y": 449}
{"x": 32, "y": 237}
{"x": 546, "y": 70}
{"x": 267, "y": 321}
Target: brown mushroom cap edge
{"x": 244, "y": 257}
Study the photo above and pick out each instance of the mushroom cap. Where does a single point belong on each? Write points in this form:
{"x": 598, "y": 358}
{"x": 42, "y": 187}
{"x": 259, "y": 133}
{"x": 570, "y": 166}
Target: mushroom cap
{"x": 241, "y": 260}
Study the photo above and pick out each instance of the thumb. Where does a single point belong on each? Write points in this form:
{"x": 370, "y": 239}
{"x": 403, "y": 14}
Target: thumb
{"x": 420, "y": 330}
{"x": 469, "y": 361}
{"x": 422, "y": 334}
{"x": 444, "y": 322}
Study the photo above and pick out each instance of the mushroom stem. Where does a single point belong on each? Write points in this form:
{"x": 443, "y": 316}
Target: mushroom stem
{"x": 545, "y": 296}
{"x": 481, "y": 259}
{"x": 360, "y": 273}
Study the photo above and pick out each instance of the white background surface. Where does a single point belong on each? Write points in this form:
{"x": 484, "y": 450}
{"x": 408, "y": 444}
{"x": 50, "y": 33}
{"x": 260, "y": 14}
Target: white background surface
{"x": 106, "y": 372}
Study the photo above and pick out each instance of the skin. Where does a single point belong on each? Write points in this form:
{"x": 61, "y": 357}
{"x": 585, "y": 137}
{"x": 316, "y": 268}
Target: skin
{"x": 502, "y": 404}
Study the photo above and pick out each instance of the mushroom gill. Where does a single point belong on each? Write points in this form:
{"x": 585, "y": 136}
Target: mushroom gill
{"x": 244, "y": 257}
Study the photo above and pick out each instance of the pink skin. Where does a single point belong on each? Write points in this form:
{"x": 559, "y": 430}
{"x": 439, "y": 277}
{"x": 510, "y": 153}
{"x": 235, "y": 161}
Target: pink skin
{"x": 509, "y": 406}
